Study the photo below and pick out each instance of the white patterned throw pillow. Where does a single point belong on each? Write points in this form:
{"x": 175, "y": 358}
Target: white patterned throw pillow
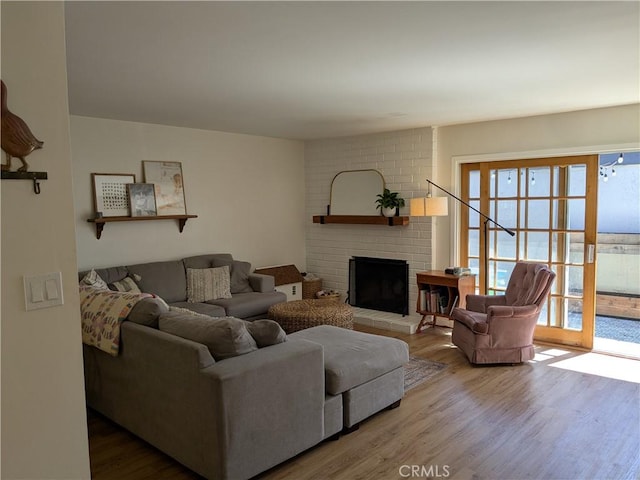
{"x": 92, "y": 279}
{"x": 204, "y": 284}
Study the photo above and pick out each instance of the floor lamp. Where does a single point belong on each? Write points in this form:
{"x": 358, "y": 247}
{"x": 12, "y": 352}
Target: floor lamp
{"x": 435, "y": 206}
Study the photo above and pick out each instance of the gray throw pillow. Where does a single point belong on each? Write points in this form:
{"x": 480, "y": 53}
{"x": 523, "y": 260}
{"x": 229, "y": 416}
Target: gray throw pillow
{"x": 224, "y": 337}
{"x": 147, "y": 311}
{"x": 239, "y": 274}
{"x": 266, "y": 332}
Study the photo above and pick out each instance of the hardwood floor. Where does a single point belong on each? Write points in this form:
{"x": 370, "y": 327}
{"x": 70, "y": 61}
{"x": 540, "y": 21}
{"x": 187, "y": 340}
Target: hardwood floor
{"x": 531, "y": 421}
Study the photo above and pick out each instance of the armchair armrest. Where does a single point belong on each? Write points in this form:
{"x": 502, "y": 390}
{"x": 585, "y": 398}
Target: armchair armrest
{"x": 262, "y": 283}
{"x": 480, "y": 303}
{"x": 511, "y": 326}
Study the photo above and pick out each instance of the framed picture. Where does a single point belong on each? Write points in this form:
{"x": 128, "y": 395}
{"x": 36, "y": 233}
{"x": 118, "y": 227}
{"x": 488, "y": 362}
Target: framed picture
{"x": 167, "y": 179}
{"x": 110, "y": 196}
{"x": 142, "y": 199}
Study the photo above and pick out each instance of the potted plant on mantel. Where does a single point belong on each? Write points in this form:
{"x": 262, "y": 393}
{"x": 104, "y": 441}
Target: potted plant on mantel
{"x": 389, "y": 202}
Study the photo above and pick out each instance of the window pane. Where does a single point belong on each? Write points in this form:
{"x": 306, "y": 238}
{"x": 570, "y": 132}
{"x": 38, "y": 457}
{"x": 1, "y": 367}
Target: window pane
{"x": 574, "y": 314}
{"x": 507, "y": 212}
{"x": 577, "y": 181}
{"x": 558, "y": 214}
{"x": 537, "y": 246}
{"x": 507, "y": 186}
{"x": 474, "y": 218}
{"x": 506, "y": 247}
{"x": 559, "y": 247}
{"x": 576, "y": 248}
{"x": 539, "y": 182}
{"x": 575, "y": 213}
{"x": 555, "y": 312}
{"x": 575, "y": 275}
{"x": 503, "y": 273}
{"x": 474, "y": 243}
{"x": 474, "y": 184}
{"x": 534, "y": 214}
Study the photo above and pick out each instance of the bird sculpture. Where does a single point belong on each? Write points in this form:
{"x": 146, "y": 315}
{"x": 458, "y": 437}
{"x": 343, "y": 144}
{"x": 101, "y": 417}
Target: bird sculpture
{"x": 17, "y": 139}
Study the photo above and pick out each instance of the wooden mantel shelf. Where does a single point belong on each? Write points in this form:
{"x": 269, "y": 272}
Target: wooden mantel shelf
{"x": 361, "y": 220}
{"x": 100, "y": 222}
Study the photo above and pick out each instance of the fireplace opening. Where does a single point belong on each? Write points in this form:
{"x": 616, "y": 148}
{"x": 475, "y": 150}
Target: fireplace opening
{"x": 379, "y": 284}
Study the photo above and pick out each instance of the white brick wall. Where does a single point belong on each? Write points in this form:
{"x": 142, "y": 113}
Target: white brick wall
{"x": 404, "y": 158}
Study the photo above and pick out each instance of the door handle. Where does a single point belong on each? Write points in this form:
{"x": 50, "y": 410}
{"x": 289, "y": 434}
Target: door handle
{"x": 591, "y": 253}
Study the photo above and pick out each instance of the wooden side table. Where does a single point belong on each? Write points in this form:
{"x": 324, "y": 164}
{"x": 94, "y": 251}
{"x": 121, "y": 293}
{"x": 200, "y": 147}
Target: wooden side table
{"x": 439, "y": 293}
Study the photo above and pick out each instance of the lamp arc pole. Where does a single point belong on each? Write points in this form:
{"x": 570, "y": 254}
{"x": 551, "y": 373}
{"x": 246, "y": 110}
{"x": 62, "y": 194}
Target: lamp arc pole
{"x": 487, "y": 219}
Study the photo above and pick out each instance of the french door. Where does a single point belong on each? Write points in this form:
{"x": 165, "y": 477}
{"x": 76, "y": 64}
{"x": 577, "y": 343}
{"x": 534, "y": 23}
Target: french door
{"x": 551, "y": 205}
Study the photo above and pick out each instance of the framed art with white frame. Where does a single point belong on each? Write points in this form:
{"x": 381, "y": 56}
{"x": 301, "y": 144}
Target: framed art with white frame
{"x": 169, "y": 188}
{"x": 110, "y": 196}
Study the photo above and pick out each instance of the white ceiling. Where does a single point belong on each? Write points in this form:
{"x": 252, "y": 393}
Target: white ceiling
{"x": 304, "y": 70}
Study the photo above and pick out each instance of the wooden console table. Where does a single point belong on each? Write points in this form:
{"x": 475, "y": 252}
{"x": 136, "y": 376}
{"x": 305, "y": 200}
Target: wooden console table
{"x": 439, "y": 293}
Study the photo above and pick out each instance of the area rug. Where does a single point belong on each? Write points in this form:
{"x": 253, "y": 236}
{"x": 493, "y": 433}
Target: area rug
{"x": 419, "y": 370}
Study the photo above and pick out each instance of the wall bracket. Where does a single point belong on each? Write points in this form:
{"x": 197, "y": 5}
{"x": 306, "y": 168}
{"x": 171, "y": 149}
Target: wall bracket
{"x": 35, "y": 176}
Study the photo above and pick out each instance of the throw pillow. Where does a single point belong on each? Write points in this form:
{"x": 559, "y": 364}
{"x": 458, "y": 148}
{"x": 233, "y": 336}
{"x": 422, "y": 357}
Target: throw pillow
{"x": 92, "y": 279}
{"x": 224, "y": 337}
{"x": 266, "y": 332}
{"x": 239, "y": 274}
{"x": 204, "y": 284}
{"x": 127, "y": 284}
{"x": 240, "y": 277}
{"x": 147, "y": 311}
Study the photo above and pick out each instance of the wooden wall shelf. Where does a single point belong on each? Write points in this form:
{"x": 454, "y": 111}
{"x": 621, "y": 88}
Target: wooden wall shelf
{"x": 361, "y": 220}
{"x": 100, "y": 222}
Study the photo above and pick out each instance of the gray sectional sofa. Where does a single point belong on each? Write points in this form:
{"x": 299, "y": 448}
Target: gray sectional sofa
{"x": 236, "y": 415}
{"x": 251, "y": 293}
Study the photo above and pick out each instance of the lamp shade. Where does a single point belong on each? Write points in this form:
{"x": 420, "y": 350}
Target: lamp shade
{"x": 428, "y": 207}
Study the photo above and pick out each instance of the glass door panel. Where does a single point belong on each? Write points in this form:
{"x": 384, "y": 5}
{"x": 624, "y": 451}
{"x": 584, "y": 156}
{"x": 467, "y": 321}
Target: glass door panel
{"x": 545, "y": 202}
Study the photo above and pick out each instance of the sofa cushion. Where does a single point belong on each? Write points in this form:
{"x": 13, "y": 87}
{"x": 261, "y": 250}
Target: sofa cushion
{"x": 147, "y": 311}
{"x": 208, "y": 284}
{"x": 202, "y": 308}
{"x": 474, "y": 321}
{"x": 206, "y": 261}
{"x": 353, "y": 358}
{"x": 167, "y": 280}
{"x": 224, "y": 337}
{"x": 266, "y": 332}
{"x": 247, "y": 305}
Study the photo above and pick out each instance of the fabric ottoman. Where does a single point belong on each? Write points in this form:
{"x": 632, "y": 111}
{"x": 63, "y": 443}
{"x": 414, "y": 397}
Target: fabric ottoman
{"x": 301, "y": 314}
{"x": 367, "y": 370}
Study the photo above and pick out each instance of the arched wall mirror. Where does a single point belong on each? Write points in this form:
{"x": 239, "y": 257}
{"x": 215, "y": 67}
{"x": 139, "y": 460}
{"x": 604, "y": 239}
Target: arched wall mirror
{"x": 354, "y": 192}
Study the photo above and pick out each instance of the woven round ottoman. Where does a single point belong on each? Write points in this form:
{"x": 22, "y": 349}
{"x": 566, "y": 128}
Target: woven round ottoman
{"x": 301, "y": 314}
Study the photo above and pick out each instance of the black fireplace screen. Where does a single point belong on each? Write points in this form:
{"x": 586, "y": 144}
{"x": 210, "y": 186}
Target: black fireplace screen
{"x": 379, "y": 284}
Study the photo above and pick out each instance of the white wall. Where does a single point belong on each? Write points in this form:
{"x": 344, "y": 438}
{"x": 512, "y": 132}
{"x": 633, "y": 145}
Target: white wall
{"x": 44, "y": 431}
{"x": 587, "y": 131}
{"x": 247, "y": 191}
{"x": 404, "y": 160}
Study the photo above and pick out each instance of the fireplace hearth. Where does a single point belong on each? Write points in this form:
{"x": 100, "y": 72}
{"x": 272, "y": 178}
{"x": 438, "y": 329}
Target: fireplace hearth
{"x": 379, "y": 284}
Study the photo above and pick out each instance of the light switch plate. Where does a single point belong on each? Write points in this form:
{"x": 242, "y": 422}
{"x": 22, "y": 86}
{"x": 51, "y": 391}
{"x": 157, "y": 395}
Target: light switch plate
{"x": 43, "y": 291}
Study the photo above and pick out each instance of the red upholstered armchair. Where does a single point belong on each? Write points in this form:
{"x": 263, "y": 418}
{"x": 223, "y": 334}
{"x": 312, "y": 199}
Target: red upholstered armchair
{"x": 499, "y": 328}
